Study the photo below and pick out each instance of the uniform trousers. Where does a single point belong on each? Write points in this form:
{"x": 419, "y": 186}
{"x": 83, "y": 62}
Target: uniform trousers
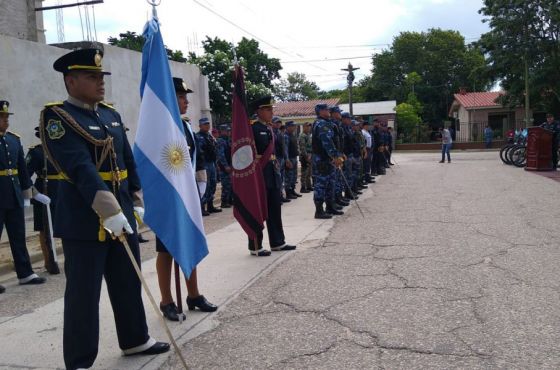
{"x": 305, "y": 172}
{"x": 225, "y": 179}
{"x": 212, "y": 179}
{"x": 85, "y": 265}
{"x": 274, "y": 226}
{"x": 291, "y": 175}
{"x": 14, "y": 220}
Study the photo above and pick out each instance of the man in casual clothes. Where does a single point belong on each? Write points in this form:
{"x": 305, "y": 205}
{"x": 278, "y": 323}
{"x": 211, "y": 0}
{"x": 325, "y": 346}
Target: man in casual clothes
{"x": 446, "y": 142}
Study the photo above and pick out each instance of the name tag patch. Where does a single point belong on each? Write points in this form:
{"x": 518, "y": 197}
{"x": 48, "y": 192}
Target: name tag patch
{"x": 94, "y": 127}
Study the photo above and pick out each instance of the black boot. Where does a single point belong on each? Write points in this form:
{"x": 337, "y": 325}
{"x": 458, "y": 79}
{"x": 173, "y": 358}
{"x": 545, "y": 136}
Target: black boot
{"x": 204, "y": 212}
{"x": 320, "y": 212}
{"x": 304, "y": 190}
{"x": 225, "y": 205}
{"x": 213, "y": 209}
{"x": 340, "y": 201}
{"x": 293, "y": 191}
{"x": 333, "y": 209}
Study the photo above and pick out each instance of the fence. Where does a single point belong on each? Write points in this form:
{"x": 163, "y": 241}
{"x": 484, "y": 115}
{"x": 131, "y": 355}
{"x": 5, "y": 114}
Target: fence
{"x": 474, "y": 131}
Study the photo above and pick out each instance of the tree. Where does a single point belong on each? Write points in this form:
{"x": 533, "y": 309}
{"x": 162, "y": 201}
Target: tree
{"x": 130, "y": 40}
{"x": 296, "y": 87}
{"x": 217, "y": 63}
{"x": 524, "y": 31}
{"x": 436, "y": 63}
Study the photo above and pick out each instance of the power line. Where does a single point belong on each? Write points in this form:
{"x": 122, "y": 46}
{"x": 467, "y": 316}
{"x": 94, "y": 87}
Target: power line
{"x": 326, "y": 59}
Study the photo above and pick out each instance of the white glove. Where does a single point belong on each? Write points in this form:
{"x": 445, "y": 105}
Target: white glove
{"x": 42, "y": 198}
{"x": 139, "y": 214}
{"x": 26, "y": 202}
{"x": 115, "y": 224}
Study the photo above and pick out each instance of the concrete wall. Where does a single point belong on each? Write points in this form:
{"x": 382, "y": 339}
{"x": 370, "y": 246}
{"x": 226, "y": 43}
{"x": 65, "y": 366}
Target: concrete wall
{"x": 18, "y": 18}
{"x": 29, "y": 81}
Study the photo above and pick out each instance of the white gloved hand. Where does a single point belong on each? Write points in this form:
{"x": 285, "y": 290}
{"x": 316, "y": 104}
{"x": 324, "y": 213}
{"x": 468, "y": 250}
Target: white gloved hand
{"x": 115, "y": 224}
{"x": 42, "y": 198}
{"x": 139, "y": 213}
{"x": 26, "y": 202}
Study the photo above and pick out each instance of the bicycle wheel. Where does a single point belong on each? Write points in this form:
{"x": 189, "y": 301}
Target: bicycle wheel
{"x": 508, "y": 152}
{"x": 519, "y": 156}
{"x": 503, "y": 151}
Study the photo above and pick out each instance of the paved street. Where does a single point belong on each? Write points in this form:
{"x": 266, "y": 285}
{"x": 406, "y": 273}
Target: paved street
{"x": 453, "y": 266}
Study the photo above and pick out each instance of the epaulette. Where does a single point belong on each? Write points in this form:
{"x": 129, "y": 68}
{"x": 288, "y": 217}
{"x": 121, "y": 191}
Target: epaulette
{"x": 107, "y": 105}
{"x": 14, "y": 134}
{"x": 54, "y": 103}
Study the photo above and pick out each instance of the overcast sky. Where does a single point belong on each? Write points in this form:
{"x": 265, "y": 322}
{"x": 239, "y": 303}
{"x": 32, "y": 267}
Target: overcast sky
{"x": 302, "y": 34}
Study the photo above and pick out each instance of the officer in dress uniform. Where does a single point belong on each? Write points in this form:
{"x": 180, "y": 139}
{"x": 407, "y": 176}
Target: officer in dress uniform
{"x": 263, "y": 135}
{"x": 207, "y": 145}
{"x": 326, "y": 158}
{"x": 47, "y": 182}
{"x": 164, "y": 261}
{"x": 224, "y": 164}
{"x": 16, "y": 191}
{"x": 86, "y": 141}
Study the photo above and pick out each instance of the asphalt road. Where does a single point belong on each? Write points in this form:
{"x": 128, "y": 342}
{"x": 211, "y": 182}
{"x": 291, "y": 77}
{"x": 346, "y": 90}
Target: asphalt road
{"x": 455, "y": 266}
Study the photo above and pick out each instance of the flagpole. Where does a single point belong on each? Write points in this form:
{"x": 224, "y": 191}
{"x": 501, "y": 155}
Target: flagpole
{"x": 122, "y": 239}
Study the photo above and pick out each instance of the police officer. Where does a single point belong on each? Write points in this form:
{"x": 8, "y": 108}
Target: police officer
{"x": 378, "y": 163}
{"x": 336, "y": 117}
{"x": 164, "y": 260}
{"x": 358, "y": 149}
{"x": 224, "y": 164}
{"x": 271, "y": 173}
{"x": 281, "y": 156}
{"x": 207, "y": 145}
{"x": 16, "y": 190}
{"x": 553, "y": 126}
{"x": 86, "y": 140}
{"x": 326, "y": 158}
{"x": 305, "y": 153}
{"x": 348, "y": 145}
{"x": 291, "y": 141}
{"x": 47, "y": 182}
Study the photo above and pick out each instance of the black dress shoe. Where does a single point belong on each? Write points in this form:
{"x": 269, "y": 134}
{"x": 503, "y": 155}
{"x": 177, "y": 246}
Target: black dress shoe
{"x": 284, "y": 200}
{"x": 260, "y": 253}
{"x": 296, "y": 194}
{"x": 285, "y": 247}
{"x": 35, "y": 281}
{"x": 214, "y": 209}
{"x": 141, "y": 239}
{"x": 156, "y": 349}
{"x": 201, "y": 303}
{"x": 225, "y": 205}
{"x": 171, "y": 312}
{"x": 304, "y": 190}
{"x": 290, "y": 196}
{"x": 2, "y": 289}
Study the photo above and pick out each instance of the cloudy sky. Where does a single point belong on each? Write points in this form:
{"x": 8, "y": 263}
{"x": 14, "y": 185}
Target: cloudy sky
{"x": 317, "y": 38}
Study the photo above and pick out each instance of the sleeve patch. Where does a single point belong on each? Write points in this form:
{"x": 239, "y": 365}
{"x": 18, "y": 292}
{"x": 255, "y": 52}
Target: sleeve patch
{"x": 55, "y": 129}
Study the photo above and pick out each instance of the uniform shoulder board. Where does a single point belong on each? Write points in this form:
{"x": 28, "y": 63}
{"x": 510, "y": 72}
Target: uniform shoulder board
{"x": 107, "y": 105}
{"x": 54, "y": 103}
{"x": 14, "y": 134}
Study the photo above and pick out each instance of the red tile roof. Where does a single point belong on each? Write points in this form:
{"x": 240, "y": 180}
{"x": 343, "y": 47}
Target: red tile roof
{"x": 300, "y": 108}
{"x": 479, "y": 99}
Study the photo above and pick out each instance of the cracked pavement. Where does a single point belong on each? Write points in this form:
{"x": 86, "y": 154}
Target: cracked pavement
{"x": 455, "y": 266}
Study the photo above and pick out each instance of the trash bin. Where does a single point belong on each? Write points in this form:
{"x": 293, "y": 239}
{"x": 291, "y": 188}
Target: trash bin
{"x": 539, "y": 149}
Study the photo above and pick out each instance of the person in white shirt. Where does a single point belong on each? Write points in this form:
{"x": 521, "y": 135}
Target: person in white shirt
{"x": 369, "y": 153}
{"x": 446, "y": 142}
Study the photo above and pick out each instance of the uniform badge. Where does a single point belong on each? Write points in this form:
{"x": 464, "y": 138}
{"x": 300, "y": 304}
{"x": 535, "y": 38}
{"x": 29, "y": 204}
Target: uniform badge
{"x": 97, "y": 59}
{"x": 55, "y": 129}
{"x": 115, "y": 124}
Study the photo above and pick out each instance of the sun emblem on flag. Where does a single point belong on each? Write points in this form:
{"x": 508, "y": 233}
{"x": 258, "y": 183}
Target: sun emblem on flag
{"x": 175, "y": 157}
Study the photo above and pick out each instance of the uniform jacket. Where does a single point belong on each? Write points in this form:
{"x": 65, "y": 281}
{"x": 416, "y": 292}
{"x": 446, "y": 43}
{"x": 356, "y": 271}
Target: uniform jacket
{"x": 207, "y": 146}
{"x": 292, "y": 145}
{"x": 304, "y": 143}
{"x": 13, "y": 188}
{"x": 323, "y": 140}
{"x": 224, "y": 152}
{"x": 86, "y": 198}
{"x": 279, "y": 144}
{"x": 263, "y": 138}
{"x": 35, "y": 160}
{"x": 193, "y": 147}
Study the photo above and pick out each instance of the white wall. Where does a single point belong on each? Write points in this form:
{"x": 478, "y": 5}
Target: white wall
{"x": 28, "y": 81}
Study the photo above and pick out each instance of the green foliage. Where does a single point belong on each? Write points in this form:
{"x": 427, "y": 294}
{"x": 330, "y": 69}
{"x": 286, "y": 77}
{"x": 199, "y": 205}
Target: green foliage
{"x": 435, "y": 64}
{"x": 130, "y": 40}
{"x": 296, "y": 87}
{"x": 524, "y": 30}
{"x": 217, "y": 63}
{"x": 408, "y": 118}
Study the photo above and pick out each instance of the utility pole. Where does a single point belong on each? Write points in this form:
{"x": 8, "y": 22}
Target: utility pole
{"x": 350, "y": 79}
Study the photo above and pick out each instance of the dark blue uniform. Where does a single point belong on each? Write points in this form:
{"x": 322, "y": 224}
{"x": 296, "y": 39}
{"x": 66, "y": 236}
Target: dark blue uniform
{"x": 324, "y": 152}
{"x": 271, "y": 174}
{"x": 224, "y": 161}
{"x": 292, "y": 152}
{"x": 35, "y": 160}
{"x": 15, "y": 185}
{"x": 207, "y": 146}
{"x": 101, "y": 182}
{"x": 281, "y": 156}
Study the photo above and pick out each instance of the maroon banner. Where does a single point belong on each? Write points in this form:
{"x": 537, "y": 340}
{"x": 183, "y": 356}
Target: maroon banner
{"x": 249, "y": 192}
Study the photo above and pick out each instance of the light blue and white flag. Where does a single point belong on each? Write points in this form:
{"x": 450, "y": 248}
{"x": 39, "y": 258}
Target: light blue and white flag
{"x": 162, "y": 157}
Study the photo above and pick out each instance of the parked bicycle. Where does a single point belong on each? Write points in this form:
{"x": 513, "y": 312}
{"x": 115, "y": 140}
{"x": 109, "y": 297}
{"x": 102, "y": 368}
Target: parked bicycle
{"x": 515, "y": 153}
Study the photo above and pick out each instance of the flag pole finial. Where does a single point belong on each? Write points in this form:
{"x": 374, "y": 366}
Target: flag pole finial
{"x": 154, "y": 3}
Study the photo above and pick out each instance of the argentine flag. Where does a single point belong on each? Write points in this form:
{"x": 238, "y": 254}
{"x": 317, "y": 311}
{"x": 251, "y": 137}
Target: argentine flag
{"x": 162, "y": 158}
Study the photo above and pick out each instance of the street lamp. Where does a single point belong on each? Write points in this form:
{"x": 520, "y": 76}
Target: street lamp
{"x": 350, "y": 79}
